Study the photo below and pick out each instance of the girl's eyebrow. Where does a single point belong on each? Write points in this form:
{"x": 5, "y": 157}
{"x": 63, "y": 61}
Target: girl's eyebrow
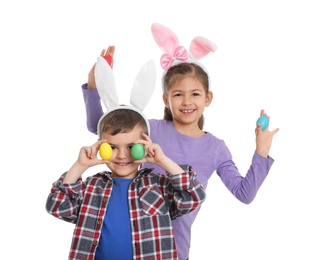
{"x": 193, "y": 90}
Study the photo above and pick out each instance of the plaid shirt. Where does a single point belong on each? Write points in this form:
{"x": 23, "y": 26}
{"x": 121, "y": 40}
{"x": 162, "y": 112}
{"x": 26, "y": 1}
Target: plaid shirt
{"x": 154, "y": 200}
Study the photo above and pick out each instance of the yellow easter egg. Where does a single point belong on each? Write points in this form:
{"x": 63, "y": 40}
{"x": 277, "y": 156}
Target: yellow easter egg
{"x": 105, "y": 151}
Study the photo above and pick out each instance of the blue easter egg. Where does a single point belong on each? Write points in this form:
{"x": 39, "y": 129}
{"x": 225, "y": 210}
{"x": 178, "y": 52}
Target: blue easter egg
{"x": 137, "y": 151}
{"x": 263, "y": 121}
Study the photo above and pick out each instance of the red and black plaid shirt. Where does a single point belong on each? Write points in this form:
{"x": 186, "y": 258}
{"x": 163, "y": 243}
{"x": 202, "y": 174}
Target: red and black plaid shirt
{"x": 154, "y": 200}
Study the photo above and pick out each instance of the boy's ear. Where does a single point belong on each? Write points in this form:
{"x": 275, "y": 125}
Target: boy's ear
{"x": 209, "y": 98}
{"x": 165, "y": 100}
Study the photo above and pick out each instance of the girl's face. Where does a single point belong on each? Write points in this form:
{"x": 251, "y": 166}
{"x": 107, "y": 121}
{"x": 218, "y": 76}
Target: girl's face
{"x": 121, "y": 163}
{"x": 187, "y": 100}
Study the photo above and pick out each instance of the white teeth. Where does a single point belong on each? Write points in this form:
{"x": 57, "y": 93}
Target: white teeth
{"x": 187, "y": 111}
{"x": 122, "y": 164}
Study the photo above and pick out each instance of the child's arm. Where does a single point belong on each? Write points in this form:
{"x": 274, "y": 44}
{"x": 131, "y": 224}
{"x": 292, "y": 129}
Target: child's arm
{"x": 65, "y": 198}
{"x": 91, "y": 97}
{"x": 264, "y": 138}
{"x": 182, "y": 188}
{"x": 185, "y": 193}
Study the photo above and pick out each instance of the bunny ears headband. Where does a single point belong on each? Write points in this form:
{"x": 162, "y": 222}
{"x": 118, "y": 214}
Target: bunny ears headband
{"x": 142, "y": 90}
{"x": 174, "y": 53}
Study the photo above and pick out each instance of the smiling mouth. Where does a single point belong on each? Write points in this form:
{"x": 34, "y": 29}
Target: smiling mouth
{"x": 122, "y": 164}
{"x": 187, "y": 111}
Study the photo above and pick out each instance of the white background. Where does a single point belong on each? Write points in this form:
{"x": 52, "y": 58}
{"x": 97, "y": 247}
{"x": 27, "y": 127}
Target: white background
{"x": 265, "y": 59}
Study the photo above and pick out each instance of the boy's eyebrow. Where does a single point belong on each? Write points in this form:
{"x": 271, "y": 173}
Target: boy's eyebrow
{"x": 126, "y": 144}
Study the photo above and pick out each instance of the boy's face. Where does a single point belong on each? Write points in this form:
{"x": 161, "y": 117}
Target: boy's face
{"x": 122, "y": 164}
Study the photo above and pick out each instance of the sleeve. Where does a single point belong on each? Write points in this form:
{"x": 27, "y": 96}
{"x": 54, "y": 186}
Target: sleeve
{"x": 93, "y": 108}
{"x": 64, "y": 200}
{"x": 185, "y": 191}
{"x": 244, "y": 188}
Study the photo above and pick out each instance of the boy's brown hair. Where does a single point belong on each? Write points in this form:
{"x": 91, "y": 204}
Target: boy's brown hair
{"x": 122, "y": 121}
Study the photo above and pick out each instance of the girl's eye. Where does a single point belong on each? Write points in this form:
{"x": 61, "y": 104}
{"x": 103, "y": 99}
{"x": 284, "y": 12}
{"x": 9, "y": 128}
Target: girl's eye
{"x": 177, "y": 95}
{"x": 113, "y": 147}
{"x": 130, "y": 147}
{"x": 196, "y": 94}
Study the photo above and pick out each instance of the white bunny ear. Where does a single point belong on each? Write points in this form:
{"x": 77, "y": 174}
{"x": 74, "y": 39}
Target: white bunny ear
{"x": 143, "y": 86}
{"x": 141, "y": 92}
{"x": 200, "y": 47}
{"x": 105, "y": 83}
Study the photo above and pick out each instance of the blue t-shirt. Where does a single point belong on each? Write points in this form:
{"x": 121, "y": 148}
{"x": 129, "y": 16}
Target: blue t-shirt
{"x": 115, "y": 241}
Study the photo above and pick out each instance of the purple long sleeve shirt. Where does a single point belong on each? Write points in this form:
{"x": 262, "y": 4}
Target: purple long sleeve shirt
{"x": 206, "y": 155}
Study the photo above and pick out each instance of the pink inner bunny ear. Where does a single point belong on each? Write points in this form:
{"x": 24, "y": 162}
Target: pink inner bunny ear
{"x": 201, "y": 46}
{"x": 165, "y": 38}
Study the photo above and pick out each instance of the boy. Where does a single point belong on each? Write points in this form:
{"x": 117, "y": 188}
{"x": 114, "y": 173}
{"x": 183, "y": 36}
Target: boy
{"x": 125, "y": 213}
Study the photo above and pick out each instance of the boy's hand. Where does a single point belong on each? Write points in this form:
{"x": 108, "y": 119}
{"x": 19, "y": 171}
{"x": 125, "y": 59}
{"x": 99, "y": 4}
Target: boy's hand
{"x": 88, "y": 155}
{"x": 109, "y": 52}
{"x": 154, "y": 153}
{"x": 87, "y": 158}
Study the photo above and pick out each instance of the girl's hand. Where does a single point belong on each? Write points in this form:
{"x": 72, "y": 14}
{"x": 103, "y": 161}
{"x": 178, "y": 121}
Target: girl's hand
{"x": 264, "y": 138}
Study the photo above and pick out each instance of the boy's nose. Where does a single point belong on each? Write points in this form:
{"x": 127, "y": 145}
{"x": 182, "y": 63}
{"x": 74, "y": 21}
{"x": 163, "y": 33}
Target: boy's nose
{"x": 122, "y": 153}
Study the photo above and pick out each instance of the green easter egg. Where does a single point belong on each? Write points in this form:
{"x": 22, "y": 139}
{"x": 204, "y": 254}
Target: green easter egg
{"x": 137, "y": 151}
